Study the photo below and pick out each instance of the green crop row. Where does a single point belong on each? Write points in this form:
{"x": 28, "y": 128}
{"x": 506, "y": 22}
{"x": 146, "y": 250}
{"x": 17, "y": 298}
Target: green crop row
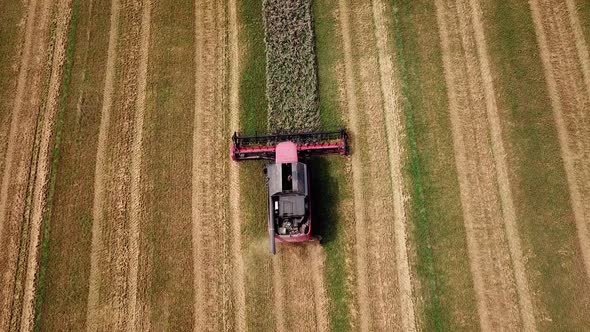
{"x": 291, "y": 71}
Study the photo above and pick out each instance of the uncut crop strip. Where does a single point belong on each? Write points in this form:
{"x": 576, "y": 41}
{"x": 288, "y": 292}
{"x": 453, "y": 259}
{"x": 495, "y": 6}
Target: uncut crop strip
{"x": 494, "y": 245}
{"x": 565, "y": 58}
{"x": 291, "y": 66}
{"x": 17, "y": 184}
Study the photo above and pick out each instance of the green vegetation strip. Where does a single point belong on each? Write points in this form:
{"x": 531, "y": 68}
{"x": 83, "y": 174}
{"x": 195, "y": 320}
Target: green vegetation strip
{"x": 541, "y": 193}
{"x": 67, "y": 75}
{"x": 330, "y": 181}
{"x": 434, "y": 313}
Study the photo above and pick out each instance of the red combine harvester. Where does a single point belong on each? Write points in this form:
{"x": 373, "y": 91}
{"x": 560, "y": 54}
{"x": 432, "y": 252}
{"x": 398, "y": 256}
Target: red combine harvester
{"x": 287, "y": 177}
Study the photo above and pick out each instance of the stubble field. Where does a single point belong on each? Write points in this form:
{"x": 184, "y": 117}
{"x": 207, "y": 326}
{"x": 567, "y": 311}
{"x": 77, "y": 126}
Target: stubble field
{"x": 464, "y": 205}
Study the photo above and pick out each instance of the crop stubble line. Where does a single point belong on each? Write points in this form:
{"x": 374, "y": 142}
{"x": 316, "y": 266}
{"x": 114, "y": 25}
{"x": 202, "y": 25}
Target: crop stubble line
{"x": 553, "y": 86}
{"x": 92, "y": 314}
{"x": 460, "y": 159}
{"x": 136, "y": 313}
{"x": 42, "y": 173}
{"x": 359, "y": 207}
{"x": 581, "y": 45}
{"x": 482, "y": 92}
{"x": 234, "y": 172}
{"x": 499, "y": 152}
{"x": 221, "y": 97}
{"x": 35, "y": 47}
{"x": 213, "y": 291}
{"x": 196, "y": 229}
{"x": 393, "y": 127}
{"x": 481, "y": 98}
{"x": 18, "y": 101}
{"x": 317, "y": 256}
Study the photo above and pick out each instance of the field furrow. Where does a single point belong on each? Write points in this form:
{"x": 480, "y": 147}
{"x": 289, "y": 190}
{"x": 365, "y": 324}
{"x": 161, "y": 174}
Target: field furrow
{"x": 18, "y": 175}
{"x": 494, "y": 245}
{"x": 565, "y": 60}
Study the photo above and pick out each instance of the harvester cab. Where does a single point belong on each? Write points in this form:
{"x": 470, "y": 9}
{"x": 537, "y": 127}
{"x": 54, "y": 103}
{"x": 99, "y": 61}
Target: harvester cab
{"x": 287, "y": 177}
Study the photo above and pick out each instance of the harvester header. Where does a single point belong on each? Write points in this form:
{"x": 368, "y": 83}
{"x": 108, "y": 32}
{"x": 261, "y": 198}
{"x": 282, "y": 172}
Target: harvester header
{"x": 308, "y": 144}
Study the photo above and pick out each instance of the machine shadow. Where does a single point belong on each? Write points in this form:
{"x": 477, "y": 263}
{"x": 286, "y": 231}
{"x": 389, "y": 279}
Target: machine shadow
{"x": 325, "y": 195}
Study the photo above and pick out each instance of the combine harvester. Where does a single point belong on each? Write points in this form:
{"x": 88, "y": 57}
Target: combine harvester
{"x": 287, "y": 177}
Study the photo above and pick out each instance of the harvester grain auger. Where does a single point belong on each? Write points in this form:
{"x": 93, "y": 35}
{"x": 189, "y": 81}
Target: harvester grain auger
{"x": 287, "y": 177}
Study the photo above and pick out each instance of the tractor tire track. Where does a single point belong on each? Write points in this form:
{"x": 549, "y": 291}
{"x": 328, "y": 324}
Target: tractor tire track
{"x": 234, "y": 172}
{"x": 359, "y": 206}
{"x": 15, "y": 188}
{"x": 136, "y": 316}
{"x": 394, "y": 128}
{"x": 496, "y": 257}
{"x": 41, "y": 180}
{"x": 211, "y": 231}
{"x": 93, "y": 316}
{"x": 564, "y": 55}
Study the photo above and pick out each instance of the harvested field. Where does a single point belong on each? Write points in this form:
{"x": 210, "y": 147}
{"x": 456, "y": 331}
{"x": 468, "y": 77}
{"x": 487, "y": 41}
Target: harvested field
{"x": 566, "y": 62}
{"x": 378, "y": 187}
{"x": 113, "y": 272}
{"x": 493, "y": 240}
{"x": 26, "y": 160}
{"x": 545, "y": 217}
{"x": 464, "y": 203}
